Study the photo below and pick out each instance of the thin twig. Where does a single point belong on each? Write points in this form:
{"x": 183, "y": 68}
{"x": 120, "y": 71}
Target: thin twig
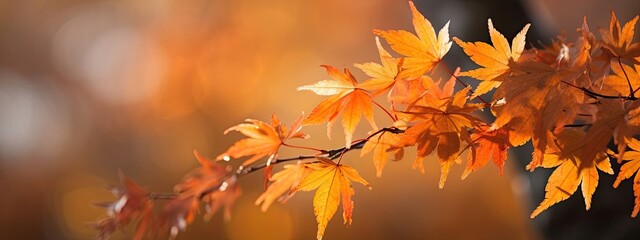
{"x": 576, "y": 125}
{"x": 328, "y": 154}
{"x": 244, "y": 171}
{"x": 161, "y": 196}
{"x": 595, "y": 94}
{"x": 331, "y": 154}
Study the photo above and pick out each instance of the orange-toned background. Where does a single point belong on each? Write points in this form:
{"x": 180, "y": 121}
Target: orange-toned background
{"x": 90, "y": 87}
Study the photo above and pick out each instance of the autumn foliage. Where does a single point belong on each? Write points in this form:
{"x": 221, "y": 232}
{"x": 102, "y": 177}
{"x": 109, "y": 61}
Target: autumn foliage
{"x": 572, "y": 99}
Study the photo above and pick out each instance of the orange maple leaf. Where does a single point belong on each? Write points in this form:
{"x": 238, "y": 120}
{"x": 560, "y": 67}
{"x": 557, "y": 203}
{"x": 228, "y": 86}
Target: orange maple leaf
{"x": 383, "y": 76}
{"x": 616, "y": 119}
{"x": 381, "y": 145}
{"x": 423, "y": 51}
{"x": 409, "y": 92}
{"x": 631, "y": 167}
{"x": 495, "y": 60}
{"x": 571, "y": 171}
{"x": 345, "y": 97}
{"x": 619, "y": 41}
{"x": 535, "y": 89}
{"x": 133, "y": 203}
{"x": 213, "y": 184}
{"x": 531, "y": 86}
{"x": 442, "y": 122}
{"x": 617, "y": 84}
{"x": 281, "y": 184}
{"x": 264, "y": 139}
{"x": 485, "y": 145}
{"x": 331, "y": 181}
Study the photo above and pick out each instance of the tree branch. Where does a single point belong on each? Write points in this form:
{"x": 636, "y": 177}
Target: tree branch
{"x": 331, "y": 154}
{"x": 328, "y": 154}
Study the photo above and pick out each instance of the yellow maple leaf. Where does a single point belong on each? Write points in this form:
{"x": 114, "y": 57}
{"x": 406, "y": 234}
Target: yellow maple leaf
{"x": 423, "y": 51}
{"x": 571, "y": 171}
{"x": 263, "y": 139}
{"x": 383, "y": 76}
{"x": 631, "y": 167}
{"x": 494, "y": 59}
{"x": 331, "y": 181}
{"x": 616, "y": 84}
{"x": 281, "y": 183}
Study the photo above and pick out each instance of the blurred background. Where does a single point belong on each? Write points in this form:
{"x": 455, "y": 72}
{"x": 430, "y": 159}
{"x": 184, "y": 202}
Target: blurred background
{"x": 90, "y": 87}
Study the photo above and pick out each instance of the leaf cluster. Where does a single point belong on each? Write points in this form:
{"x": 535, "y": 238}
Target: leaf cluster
{"x": 570, "y": 99}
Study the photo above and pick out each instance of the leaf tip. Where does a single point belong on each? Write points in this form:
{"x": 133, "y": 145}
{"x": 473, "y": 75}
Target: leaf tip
{"x": 465, "y": 174}
{"x": 617, "y": 182}
{"x": 412, "y": 6}
{"x": 536, "y": 212}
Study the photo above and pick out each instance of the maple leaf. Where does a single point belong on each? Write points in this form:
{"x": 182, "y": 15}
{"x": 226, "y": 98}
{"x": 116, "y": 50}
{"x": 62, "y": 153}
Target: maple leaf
{"x": 409, "y": 92}
{"x": 485, "y": 145}
{"x": 536, "y": 89}
{"x": 331, "y": 182}
{"x": 178, "y": 213}
{"x": 263, "y": 139}
{"x": 212, "y": 184}
{"x": 383, "y": 76}
{"x": 616, "y": 84}
{"x": 571, "y": 171}
{"x": 619, "y": 40}
{"x": 495, "y": 60}
{"x": 616, "y": 119}
{"x": 381, "y": 145}
{"x": 344, "y": 98}
{"x": 423, "y": 51}
{"x": 628, "y": 169}
{"x": 133, "y": 203}
{"x": 281, "y": 184}
{"x": 441, "y": 123}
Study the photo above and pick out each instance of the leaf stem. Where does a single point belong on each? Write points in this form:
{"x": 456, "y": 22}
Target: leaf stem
{"x": 461, "y": 82}
{"x": 394, "y": 118}
{"x": 632, "y": 93}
